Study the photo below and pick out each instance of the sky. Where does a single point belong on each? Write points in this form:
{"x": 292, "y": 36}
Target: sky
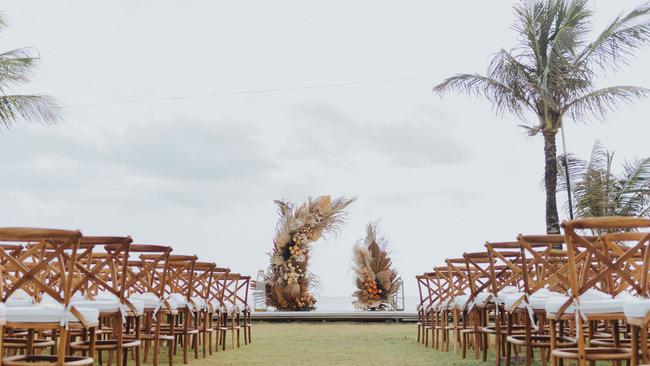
{"x": 442, "y": 175}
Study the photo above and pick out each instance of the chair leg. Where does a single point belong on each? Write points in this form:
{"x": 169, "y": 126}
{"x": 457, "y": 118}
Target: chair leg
{"x": 170, "y": 351}
{"x": 464, "y": 345}
{"x": 195, "y": 341}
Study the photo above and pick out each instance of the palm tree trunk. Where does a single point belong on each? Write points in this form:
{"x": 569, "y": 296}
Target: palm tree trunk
{"x": 550, "y": 182}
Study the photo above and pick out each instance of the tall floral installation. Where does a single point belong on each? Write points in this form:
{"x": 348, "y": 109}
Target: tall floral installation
{"x": 376, "y": 279}
{"x": 288, "y": 281}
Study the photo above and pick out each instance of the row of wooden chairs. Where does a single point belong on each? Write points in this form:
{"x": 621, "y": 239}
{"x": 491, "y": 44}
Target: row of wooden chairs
{"x": 70, "y": 299}
{"x": 582, "y": 296}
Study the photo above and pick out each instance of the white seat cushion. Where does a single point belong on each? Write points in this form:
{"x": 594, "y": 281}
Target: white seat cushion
{"x": 178, "y": 300}
{"x": 137, "y": 304}
{"x": 106, "y": 295}
{"x": 48, "y": 313}
{"x": 602, "y": 306}
{"x": 149, "y": 300}
{"x": 626, "y": 296}
{"x": 104, "y": 306}
{"x": 537, "y": 300}
{"x": 199, "y": 302}
{"x": 636, "y": 308}
{"x": 593, "y": 294}
{"x": 460, "y": 301}
{"x": 505, "y": 292}
{"x": 606, "y": 306}
{"x": 216, "y": 305}
{"x": 19, "y": 298}
{"x": 230, "y": 308}
{"x": 481, "y": 297}
{"x": 510, "y": 299}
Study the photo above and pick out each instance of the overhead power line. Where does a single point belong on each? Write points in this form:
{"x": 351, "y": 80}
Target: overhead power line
{"x": 247, "y": 92}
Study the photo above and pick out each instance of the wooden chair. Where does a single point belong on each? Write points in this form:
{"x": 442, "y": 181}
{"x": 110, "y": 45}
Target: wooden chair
{"x": 231, "y": 317}
{"x": 43, "y": 271}
{"x": 180, "y": 289}
{"x": 442, "y": 313}
{"x": 543, "y": 267}
{"x": 425, "y": 307}
{"x": 242, "y": 299}
{"x": 216, "y": 304}
{"x": 203, "y": 272}
{"x": 460, "y": 288}
{"x": 480, "y": 302}
{"x": 506, "y": 279}
{"x": 146, "y": 278}
{"x": 610, "y": 264}
{"x": 14, "y": 341}
{"x": 102, "y": 263}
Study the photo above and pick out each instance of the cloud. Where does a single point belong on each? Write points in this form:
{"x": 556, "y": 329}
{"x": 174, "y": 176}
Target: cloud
{"x": 179, "y": 162}
{"x": 335, "y": 138}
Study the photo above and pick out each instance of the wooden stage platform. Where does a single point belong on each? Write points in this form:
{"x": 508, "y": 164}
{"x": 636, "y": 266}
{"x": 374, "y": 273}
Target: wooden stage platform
{"x": 353, "y": 316}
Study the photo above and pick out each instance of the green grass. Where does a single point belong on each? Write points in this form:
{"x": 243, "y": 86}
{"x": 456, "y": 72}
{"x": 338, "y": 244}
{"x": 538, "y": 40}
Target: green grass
{"x": 335, "y": 344}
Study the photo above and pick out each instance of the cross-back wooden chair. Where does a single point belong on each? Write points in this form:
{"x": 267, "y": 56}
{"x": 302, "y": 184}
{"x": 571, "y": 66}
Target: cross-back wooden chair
{"x": 544, "y": 269}
{"x": 505, "y": 260}
{"x": 441, "y": 316}
{"x": 216, "y": 301}
{"x": 180, "y": 289}
{"x": 613, "y": 263}
{"x": 203, "y": 276}
{"x": 146, "y": 278}
{"x": 231, "y": 318}
{"x": 425, "y": 307}
{"x": 15, "y": 340}
{"x": 102, "y": 263}
{"x": 242, "y": 296}
{"x": 42, "y": 271}
{"x": 480, "y": 302}
{"x": 460, "y": 289}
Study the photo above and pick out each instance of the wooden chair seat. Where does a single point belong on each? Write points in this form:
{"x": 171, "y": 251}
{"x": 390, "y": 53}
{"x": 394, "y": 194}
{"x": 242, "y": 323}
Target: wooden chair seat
{"x": 542, "y": 341}
{"x": 595, "y": 353}
{"x": 104, "y": 344}
{"x": 20, "y": 343}
{"x": 46, "y": 360}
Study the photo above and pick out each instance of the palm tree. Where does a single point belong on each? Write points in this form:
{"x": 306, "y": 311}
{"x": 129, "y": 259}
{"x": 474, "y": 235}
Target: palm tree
{"x": 551, "y": 73}
{"x": 598, "y": 191}
{"x": 15, "y": 69}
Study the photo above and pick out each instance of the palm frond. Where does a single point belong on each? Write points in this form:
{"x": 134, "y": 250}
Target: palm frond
{"x": 505, "y": 98}
{"x": 598, "y": 191}
{"x": 29, "y": 108}
{"x": 598, "y": 102}
{"x": 616, "y": 43}
{"x": 633, "y": 189}
{"x": 16, "y": 67}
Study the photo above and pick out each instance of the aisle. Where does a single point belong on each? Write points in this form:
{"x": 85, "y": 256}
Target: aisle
{"x": 335, "y": 344}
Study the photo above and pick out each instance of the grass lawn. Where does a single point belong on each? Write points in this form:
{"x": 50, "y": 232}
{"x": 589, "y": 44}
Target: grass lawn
{"x": 335, "y": 344}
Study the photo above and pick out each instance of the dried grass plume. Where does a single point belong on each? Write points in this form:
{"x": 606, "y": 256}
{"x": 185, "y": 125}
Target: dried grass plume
{"x": 376, "y": 279}
{"x": 288, "y": 282}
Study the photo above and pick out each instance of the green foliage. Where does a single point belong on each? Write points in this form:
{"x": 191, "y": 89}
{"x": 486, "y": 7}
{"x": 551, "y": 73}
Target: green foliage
{"x": 597, "y": 190}
{"x": 16, "y": 67}
{"x": 552, "y": 69}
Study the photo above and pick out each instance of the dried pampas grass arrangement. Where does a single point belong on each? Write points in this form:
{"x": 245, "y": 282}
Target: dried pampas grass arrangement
{"x": 376, "y": 280}
{"x": 288, "y": 281}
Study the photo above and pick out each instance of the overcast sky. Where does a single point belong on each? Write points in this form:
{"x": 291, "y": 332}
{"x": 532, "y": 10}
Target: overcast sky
{"x": 201, "y": 174}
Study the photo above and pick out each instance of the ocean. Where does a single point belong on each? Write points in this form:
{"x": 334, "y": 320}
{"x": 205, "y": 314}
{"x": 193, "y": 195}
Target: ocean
{"x": 344, "y": 304}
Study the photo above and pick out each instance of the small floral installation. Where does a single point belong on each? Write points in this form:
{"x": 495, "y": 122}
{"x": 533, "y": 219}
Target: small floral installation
{"x": 289, "y": 283}
{"x": 376, "y": 279}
